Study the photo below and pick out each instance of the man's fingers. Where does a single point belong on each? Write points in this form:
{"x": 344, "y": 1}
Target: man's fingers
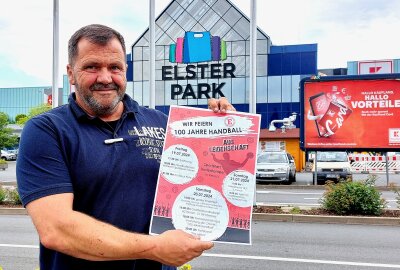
{"x": 205, "y": 245}
{"x": 220, "y": 105}
{"x": 213, "y": 104}
{"x": 224, "y": 105}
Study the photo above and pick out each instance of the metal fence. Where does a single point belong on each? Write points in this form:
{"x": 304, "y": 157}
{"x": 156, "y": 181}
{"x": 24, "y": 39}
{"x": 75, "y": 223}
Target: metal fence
{"x": 364, "y": 163}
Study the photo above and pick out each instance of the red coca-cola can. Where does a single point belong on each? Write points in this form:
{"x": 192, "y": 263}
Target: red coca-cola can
{"x": 334, "y": 118}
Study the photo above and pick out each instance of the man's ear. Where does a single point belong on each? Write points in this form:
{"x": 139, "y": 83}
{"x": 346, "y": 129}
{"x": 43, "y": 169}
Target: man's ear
{"x": 70, "y": 75}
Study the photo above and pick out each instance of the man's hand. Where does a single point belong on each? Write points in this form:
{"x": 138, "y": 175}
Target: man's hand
{"x": 220, "y": 105}
{"x": 177, "y": 247}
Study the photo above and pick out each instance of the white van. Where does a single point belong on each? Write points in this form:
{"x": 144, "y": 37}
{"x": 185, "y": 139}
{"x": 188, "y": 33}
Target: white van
{"x": 332, "y": 165}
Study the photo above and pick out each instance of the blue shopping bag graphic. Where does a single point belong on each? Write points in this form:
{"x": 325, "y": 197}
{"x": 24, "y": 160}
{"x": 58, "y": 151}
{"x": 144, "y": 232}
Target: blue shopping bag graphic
{"x": 197, "y": 47}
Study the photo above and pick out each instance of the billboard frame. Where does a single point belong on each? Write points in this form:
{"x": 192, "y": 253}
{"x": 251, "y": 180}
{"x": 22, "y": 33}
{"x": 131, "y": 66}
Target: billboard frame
{"x": 303, "y": 115}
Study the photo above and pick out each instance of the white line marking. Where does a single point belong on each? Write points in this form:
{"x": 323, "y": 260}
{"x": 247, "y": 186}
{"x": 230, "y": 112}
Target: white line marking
{"x": 18, "y": 246}
{"x": 288, "y": 192}
{"x": 381, "y": 265}
{"x": 262, "y": 258}
{"x": 312, "y": 198}
{"x": 287, "y": 204}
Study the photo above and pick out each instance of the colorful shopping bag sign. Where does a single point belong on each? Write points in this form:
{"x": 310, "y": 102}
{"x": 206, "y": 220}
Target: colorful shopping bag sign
{"x": 197, "y": 47}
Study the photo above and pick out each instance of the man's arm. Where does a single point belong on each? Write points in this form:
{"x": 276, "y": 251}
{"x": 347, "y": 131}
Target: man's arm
{"x": 62, "y": 229}
{"x": 220, "y": 105}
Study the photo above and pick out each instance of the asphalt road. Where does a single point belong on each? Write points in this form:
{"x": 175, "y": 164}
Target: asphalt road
{"x": 303, "y": 193}
{"x": 302, "y": 246}
{"x": 276, "y": 245}
{"x": 305, "y": 178}
{"x": 305, "y": 197}
{"x": 8, "y": 175}
{"x": 18, "y": 243}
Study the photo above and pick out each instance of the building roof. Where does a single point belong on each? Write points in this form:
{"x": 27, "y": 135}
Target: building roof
{"x": 221, "y": 17}
{"x": 293, "y": 133}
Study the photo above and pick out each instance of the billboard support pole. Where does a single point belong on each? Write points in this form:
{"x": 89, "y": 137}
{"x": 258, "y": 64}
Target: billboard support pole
{"x": 152, "y": 45}
{"x": 253, "y": 58}
{"x": 55, "y": 94}
{"x": 253, "y": 69}
{"x": 387, "y": 169}
{"x": 315, "y": 182}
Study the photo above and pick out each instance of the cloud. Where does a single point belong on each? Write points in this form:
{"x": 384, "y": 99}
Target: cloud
{"x": 24, "y": 45}
{"x": 27, "y": 39}
{"x": 345, "y": 30}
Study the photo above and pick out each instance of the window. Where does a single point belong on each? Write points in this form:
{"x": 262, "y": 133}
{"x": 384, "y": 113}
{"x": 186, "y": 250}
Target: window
{"x": 238, "y": 95}
{"x": 286, "y": 88}
{"x": 274, "y": 89}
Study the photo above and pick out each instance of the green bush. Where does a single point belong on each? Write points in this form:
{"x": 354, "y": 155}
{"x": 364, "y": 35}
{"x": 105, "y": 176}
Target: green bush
{"x": 353, "y": 198}
{"x": 295, "y": 210}
{"x": 185, "y": 267}
{"x": 2, "y": 194}
{"x": 20, "y": 116}
{"x": 33, "y": 112}
{"x": 396, "y": 191}
{"x": 13, "y": 196}
{"x": 398, "y": 198}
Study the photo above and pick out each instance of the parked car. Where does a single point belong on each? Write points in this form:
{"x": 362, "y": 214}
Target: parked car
{"x": 12, "y": 151}
{"x": 276, "y": 167}
{"x": 7, "y": 156}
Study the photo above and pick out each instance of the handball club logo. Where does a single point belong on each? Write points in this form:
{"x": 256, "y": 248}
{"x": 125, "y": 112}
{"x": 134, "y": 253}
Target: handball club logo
{"x": 229, "y": 121}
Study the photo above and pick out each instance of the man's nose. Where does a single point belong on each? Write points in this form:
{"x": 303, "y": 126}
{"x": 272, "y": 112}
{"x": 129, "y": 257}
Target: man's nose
{"x": 104, "y": 76}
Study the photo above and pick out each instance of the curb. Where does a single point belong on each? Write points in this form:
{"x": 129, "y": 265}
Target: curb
{"x": 388, "y": 221}
{"x": 311, "y": 187}
{"x": 283, "y": 218}
{"x": 13, "y": 211}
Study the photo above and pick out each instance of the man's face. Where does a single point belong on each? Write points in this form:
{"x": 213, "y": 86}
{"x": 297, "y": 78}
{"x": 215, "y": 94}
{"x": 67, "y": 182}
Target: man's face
{"x": 99, "y": 76}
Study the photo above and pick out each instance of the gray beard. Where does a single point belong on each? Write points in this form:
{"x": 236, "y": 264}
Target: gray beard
{"x": 96, "y": 107}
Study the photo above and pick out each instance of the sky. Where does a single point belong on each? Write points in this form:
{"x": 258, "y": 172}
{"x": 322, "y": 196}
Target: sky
{"x": 345, "y": 30}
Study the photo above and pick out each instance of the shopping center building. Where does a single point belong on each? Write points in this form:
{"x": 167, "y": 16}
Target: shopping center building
{"x": 203, "y": 51}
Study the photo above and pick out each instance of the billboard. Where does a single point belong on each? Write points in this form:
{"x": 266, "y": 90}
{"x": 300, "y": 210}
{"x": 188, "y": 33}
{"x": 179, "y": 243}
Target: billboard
{"x": 375, "y": 67}
{"x": 351, "y": 112}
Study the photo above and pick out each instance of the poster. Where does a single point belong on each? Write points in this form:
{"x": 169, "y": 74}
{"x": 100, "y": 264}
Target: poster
{"x": 206, "y": 180}
{"x": 352, "y": 114}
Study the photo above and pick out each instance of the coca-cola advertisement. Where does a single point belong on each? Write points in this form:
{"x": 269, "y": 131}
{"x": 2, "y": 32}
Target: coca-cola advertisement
{"x": 351, "y": 112}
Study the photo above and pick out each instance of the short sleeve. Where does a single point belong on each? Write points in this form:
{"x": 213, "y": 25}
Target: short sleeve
{"x": 41, "y": 166}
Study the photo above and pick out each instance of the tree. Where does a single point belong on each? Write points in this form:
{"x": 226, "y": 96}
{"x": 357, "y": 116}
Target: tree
{"x": 33, "y": 112}
{"x": 7, "y": 139}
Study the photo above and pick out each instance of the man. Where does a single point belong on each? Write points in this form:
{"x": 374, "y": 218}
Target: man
{"x": 86, "y": 172}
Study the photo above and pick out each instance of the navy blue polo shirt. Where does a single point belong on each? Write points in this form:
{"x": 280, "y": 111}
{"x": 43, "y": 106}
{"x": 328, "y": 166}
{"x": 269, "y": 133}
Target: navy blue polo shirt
{"x": 64, "y": 151}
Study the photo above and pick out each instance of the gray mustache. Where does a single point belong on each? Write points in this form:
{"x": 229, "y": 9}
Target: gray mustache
{"x": 101, "y": 86}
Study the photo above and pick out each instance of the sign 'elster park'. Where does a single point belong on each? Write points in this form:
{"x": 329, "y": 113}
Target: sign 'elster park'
{"x": 202, "y": 90}
{"x": 197, "y": 47}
